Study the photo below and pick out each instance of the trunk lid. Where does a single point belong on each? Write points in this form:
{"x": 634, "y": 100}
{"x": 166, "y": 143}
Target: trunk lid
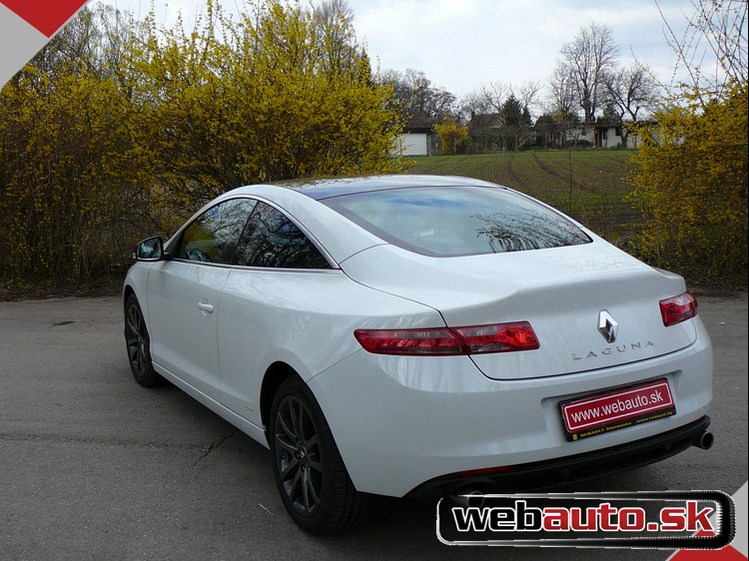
{"x": 565, "y": 293}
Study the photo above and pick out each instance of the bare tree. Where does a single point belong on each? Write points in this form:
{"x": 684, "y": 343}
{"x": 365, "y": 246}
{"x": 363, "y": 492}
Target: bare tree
{"x": 488, "y": 99}
{"x": 561, "y": 104}
{"x": 527, "y": 94}
{"x": 591, "y": 54}
{"x": 497, "y": 107}
{"x": 562, "y": 92}
{"x": 417, "y": 99}
{"x": 473, "y": 103}
{"x": 715, "y": 31}
{"x": 482, "y": 112}
{"x": 631, "y": 91}
{"x": 334, "y": 11}
{"x": 333, "y": 20}
{"x": 495, "y": 94}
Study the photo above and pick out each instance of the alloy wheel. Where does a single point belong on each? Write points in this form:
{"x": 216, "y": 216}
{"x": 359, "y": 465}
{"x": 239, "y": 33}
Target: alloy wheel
{"x": 136, "y": 339}
{"x": 297, "y": 455}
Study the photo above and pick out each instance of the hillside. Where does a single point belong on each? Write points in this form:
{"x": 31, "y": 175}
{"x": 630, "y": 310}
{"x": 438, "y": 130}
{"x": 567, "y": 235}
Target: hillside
{"x": 588, "y": 185}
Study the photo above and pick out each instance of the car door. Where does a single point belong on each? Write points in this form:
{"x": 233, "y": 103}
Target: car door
{"x": 184, "y": 295}
{"x": 278, "y": 272}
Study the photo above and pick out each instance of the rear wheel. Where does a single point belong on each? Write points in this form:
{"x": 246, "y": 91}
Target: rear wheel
{"x": 138, "y": 345}
{"x": 311, "y": 477}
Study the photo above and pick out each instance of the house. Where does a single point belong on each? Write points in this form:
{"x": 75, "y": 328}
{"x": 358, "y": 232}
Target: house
{"x": 606, "y": 135}
{"x": 415, "y": 141}
{"x": 598, "y": 135}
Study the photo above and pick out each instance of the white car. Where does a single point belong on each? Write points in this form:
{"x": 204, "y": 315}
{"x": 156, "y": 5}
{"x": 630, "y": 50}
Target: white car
{"x": 418, "y": 336}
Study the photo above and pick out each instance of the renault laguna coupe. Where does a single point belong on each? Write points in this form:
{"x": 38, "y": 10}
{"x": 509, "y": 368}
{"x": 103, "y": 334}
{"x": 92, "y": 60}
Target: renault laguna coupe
{"x": 418, "y": 336}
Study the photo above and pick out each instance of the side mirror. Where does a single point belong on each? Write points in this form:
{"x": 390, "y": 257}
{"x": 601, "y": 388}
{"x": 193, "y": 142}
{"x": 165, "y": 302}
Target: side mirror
{"x": 151, "y": 249}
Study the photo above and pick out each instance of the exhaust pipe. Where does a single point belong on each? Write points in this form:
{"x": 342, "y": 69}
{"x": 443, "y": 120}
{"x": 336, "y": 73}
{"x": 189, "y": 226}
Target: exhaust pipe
{"x": 468, "y": 498}
{"x": 704, "y": 441}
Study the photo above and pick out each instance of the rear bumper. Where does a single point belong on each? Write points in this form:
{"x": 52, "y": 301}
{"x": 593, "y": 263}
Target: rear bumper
{"x": 402, "y": 421}
{"x": 536, "y": 476}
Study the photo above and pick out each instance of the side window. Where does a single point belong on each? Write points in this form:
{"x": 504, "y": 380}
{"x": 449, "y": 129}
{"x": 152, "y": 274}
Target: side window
{"x": 213, "y": 236}
{"x": 272, "y": 240}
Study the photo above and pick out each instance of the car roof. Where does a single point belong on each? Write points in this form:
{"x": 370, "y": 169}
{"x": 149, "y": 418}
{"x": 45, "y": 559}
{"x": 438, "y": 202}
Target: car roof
{"x": 320, "y": 189}
{"x": 337, "y": 234}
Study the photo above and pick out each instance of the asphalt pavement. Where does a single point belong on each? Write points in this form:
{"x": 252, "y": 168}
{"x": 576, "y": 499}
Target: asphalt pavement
{"x": 94, "y": 467}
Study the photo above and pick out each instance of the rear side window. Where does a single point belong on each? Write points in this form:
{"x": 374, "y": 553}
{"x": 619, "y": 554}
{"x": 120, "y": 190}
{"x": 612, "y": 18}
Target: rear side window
{"x": 213, "y": 236}
{"x": 271, "y": 239}
{"x": 456, "y": 221}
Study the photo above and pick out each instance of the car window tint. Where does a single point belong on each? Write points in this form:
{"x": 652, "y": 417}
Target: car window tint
{"x": 271, "y": 239}
{"x": 455, "y": 221}
{"x": 213, "y": 236}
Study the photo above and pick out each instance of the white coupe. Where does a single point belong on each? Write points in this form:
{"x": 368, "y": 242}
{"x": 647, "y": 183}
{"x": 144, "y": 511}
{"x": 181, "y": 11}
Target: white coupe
{"x": 418, "y": 336}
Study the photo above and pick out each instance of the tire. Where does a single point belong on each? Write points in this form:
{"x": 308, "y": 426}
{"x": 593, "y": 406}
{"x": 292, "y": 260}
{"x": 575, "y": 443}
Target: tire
{"x": 138, "y": 345}
{"x": 311, "y": 476}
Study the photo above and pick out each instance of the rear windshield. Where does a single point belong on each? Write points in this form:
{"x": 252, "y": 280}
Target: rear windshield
{"x": 455, "y": 221}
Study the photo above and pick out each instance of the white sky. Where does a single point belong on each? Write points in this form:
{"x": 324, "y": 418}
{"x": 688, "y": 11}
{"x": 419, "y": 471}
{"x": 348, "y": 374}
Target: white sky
{"x": 462, "y": 45}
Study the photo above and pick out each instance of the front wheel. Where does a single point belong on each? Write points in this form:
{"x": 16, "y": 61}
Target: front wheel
{"x": 311, "y": 477}
{"x": 138, "y": 345}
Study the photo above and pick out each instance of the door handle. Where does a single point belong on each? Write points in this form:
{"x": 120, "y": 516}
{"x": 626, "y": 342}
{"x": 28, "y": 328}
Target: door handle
{"x": 205, "y": 307}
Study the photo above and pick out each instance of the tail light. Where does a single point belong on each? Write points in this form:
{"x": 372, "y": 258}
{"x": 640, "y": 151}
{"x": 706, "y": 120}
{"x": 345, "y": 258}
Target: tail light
{"x": 444, "y": 341}
{"x": 678, "y": 308}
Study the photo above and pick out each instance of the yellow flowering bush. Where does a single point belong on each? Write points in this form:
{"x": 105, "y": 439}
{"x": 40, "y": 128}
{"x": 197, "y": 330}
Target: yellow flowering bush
{"x": 691, "y": 186}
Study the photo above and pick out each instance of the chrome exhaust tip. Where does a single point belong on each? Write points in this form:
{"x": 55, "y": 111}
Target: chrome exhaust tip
{"x": 704, "y": 441}
{"x": 468, "y": 498}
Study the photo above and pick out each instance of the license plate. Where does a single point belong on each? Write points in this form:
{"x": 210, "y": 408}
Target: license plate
{"x": 602, "y": 413}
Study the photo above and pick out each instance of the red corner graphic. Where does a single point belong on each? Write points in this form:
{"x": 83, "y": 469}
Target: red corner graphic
{"x": 728, "y": 553}
{"x": 45, "y": 15}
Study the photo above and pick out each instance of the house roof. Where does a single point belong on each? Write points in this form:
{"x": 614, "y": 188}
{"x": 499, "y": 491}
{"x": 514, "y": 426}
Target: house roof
{"x": 485, "y": 120}
{"x": 421, "y": 121}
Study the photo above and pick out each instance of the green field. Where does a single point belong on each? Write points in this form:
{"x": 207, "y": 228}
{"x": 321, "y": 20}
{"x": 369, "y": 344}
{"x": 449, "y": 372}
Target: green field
{"x": 589, "y": 185}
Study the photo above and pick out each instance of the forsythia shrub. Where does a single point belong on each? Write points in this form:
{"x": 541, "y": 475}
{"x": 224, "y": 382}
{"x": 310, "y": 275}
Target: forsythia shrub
{"x": 691, "y": 186}
{"x": 115, "y": 132}
{"x": 70, "y": 176}
{"x": 452, "y": 136}
{"x": 276, "y": 95}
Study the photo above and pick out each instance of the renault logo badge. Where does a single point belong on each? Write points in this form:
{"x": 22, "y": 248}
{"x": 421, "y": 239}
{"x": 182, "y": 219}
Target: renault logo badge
{"x": 607, "y": 326}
